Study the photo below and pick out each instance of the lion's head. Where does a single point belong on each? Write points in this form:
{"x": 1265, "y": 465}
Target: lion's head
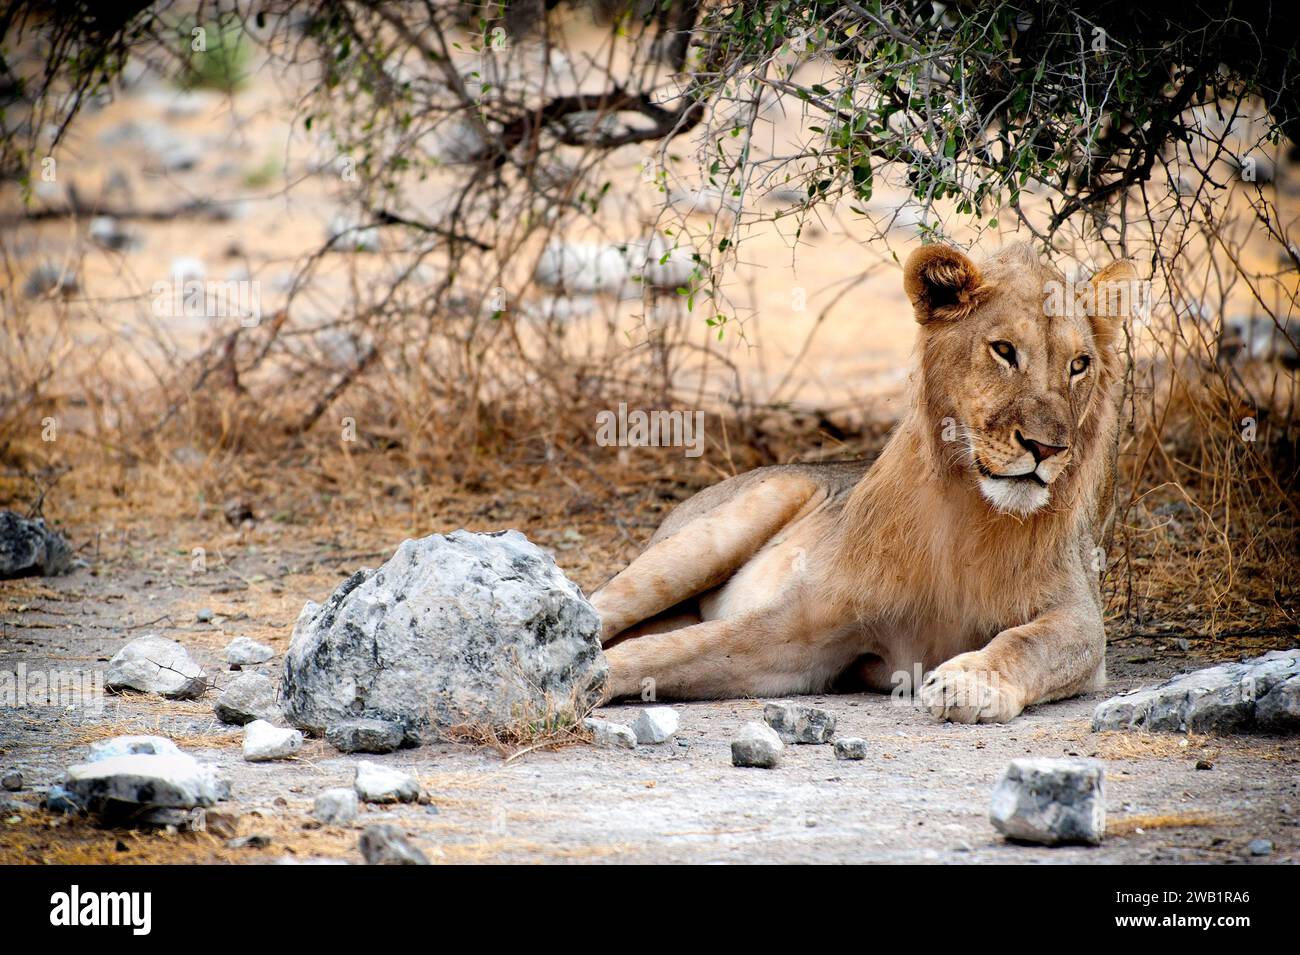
{"x": 1017, "y": 369}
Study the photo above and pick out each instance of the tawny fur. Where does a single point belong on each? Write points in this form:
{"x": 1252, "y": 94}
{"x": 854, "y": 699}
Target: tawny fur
{"x": 937, "y": 558}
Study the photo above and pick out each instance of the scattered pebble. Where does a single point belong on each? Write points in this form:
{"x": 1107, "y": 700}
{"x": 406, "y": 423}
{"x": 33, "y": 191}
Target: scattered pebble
{"x": 655, "y": 724}
{"x": 248, "y": 697}
{"x": 237, "y": 511}
{"x": 1051, "y": 801}
{"x": 348, "y": 234}
{"x": 58, "y": 799}
{"x": 11, "y": 781}
{"x": 186, "y": 268}
{"x": 246, "y": 651}
{"x": 375, "y": 783}
{"x": 254, "y": 841}
{"x": 264, "y": 742}
{"x": 758, "y": 746}
{"x": 47, "y": 277}
{"x": 799, "y": 723}
{"x": 385, "y": 844}
{"x": 336, "y": 807}
{"x": 204, "y": 616}
{"x": 111, "y": 234}
{"x": 365, "y": 736}
{"x": 612, "y": 735}
{"x": 1204, "y": 764}
{"x": 850, "y": 747}
{"x": 1259, "y": 847}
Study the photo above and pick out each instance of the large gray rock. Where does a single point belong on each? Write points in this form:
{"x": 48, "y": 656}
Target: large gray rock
{"x": 153, "y": 664}
{"x": 248, "y": 697}
{"x": 169, "y": 780}
{"x": 453, "y": 630}
{"x": 799, "y": 723}
{"x": 1051, "y": 801}
{"x": 1228, "y": 698}
{"x": 28, "y": 547}
{"x": 1278, "y": 710}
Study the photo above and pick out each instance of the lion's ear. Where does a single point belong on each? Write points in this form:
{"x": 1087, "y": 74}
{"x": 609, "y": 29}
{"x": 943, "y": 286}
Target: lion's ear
{"x": 1116, "y": 295}
{"x": 942, "y": 283}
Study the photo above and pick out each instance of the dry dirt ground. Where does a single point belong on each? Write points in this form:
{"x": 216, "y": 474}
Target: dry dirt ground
{"x": 920, "y": 796}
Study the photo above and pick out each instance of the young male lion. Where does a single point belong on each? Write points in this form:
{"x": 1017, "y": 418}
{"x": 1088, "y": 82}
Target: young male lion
{"x": 966, "y": 551}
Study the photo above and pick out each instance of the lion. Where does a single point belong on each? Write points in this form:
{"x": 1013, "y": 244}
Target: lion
{"x": 962, "y": 559}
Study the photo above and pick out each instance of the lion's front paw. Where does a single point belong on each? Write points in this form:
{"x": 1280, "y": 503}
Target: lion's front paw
{"x": 967, "y": 690}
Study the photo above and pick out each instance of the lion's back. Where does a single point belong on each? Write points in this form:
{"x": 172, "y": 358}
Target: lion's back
{"x": 835, "y": 478}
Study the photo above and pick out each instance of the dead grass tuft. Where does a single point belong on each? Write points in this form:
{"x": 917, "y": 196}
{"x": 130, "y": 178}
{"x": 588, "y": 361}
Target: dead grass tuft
{"x": 554, "y": 724}
{"x": 1122, "y": 744}
{"x": 1136, "y": 824}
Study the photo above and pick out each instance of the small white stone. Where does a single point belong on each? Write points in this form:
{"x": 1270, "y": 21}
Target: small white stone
{"x": 613, "y": 735}
{"x": 336, "y": 806}
{"x": 263, "y": 742}
{"x": 375, "y": 783}
{"x": 757, "y": 745}
{"x": 246, "y": 651}
{"x": 655, "y": 724}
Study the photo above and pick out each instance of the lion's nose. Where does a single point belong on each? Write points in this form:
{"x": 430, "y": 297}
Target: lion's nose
{"x": 1038, "y": 449}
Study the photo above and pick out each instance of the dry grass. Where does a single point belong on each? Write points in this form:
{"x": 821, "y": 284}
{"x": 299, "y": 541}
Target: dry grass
{"x": 555, "y": 725}
{"x": 1126, "y": 745}
{"x": 84, "y": 735}
{"x": 41, "y": 839}
{"x": 1138, "y": 824}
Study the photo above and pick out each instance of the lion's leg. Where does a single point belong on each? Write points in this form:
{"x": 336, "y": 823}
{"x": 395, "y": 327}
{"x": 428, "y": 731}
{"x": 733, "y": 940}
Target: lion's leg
{"x": 686, "y": 614}
{"x": 755, "y": 654}
{"x": 701, "y": 555}
{"x": 1060, "y": 653}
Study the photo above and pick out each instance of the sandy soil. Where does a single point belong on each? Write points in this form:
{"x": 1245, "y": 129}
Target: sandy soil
{"x": 920, "y": 796}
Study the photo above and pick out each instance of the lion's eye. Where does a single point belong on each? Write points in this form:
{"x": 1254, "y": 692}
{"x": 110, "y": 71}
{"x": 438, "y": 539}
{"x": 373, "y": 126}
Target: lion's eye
{"x": 1079, "y": 365}
{"x": 1006, "y": 351}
